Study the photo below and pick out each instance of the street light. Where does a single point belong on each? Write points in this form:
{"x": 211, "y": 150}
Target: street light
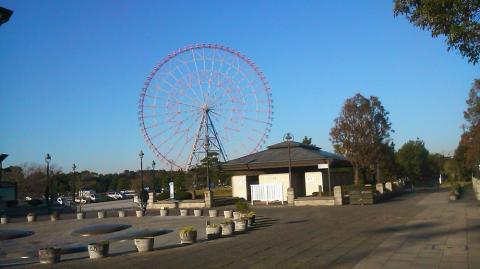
{"x": 289, "y": 137}
{"x": 153, "y": 175}
{"x": 48, "y": 191}
{"x": 143, "y": 195}
{"x": 74, "y": 167}
{"x": 141, "y": 165}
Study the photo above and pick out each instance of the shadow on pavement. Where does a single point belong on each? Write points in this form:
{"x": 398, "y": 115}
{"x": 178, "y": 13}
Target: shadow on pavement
{"x": 263, "y": 222}
{"x": 399, "y": 228}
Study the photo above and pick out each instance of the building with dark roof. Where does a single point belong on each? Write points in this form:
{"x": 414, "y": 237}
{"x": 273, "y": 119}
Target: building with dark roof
{"x": 270, "y": 166}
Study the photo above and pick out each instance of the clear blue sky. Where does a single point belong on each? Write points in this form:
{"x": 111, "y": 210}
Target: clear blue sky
{"x": 71, "y": 71}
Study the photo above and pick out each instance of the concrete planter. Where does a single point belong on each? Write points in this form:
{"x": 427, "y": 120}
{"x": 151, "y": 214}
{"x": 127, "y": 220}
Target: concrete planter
{"x": 213, "y": 232}
{"x": 121, "y": 213}
{"x": 144, "y": 244}
{"x": 31, "y": 217}
{"x": 80, "y": 215}
{"x": 4, "y": 220}
{"x": 237, "y": 215}
{"x": 453, "y": 197}
{"x": 189, "y": 237}
{"x": 227, "y": 229}
{"x": 98, "y": 250}
{"x": 49, "y": 255}
{"x": 228, "y": 214}
{"x": 213, "y": 213}
{"x": 139, "y": 213}
{"x": 163, "y": 212}
{"x": 183, "y": 212}
{"x": 240, "y": 225}
{"x": 197, "y": 212}
{"x": 101, "y": 214}
{"x": 54, "y": 216}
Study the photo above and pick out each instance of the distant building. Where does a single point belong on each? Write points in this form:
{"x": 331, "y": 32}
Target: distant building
{"x": 271, "y": 166}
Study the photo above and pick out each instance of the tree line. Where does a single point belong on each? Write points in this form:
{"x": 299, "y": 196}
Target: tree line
{"x": 31, "y": 179}
{"x": 362, "y": 133}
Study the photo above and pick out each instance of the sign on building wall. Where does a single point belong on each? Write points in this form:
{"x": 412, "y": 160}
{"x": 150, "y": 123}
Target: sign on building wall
{"x": 323, "y": 166}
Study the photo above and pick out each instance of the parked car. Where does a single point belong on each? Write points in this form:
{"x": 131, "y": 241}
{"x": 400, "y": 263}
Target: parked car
{"x": 80, "y": 200}
{"x": 128, "y": 194}
{"x": 115, "y": 195}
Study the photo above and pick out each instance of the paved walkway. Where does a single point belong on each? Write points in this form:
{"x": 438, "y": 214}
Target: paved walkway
{"x": 421, "y": 230}
{"x": 443, "y": 235}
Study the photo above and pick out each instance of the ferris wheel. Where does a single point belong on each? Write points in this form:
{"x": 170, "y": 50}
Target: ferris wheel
{"x": 201, "y": 99}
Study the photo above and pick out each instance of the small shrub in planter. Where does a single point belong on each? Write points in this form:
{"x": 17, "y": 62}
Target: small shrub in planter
{"x": 213, "y": 213}
{"x": 188, "y": 235}
{"x": 101, "y": 214}
{"x": 197, "y": 212}
{"x": 213, "y": 231}
{"x": 228, "y": 228}
{"x": 240, "y": 225}
{"x": 31, "y": 217}
{"x": 54, "y": 216}
{"x": 144, "y": 244}
{"x": 49, "y": 255}
{"x": 98, "y": 250}
{"x": 80, "y": 215}
{"x": 228, "y": 214}
{"x": 183, "y": 212}
{"x": 242, "y": 206}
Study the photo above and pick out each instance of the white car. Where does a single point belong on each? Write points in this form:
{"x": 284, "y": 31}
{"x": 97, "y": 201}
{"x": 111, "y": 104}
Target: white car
{"x": 115, "y": 195}
{"x": 80, "y": 200}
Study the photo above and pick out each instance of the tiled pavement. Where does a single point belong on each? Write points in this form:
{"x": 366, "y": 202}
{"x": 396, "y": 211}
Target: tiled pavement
{"x": 443, "y": 235}
{"x": 421, "y": 230}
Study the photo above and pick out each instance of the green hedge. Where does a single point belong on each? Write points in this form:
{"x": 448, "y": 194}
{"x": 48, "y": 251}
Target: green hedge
{"x": 180, "y": 195}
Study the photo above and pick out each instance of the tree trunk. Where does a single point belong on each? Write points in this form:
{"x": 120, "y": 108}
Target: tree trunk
{"x": 356, "y": 178}
{"x": 377, "y": 176}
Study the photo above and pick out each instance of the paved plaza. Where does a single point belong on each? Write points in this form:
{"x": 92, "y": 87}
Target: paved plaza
{"x": 420, "y": 230}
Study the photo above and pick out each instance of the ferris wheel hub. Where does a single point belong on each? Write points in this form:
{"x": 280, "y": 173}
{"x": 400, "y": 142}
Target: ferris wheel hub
{"x": 206, "y": 108}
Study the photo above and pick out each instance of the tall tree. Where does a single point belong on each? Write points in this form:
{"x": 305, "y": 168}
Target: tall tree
{"x": 412, "y": 160}
{"x": 467, "y": 154}
{"x": 360, "y": 131}
{"x": 457, "y": 20}
{"x": 472, "y": 114}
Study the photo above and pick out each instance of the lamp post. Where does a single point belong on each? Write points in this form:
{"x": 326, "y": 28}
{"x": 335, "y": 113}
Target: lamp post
{"x": 289, "y": 137}
{"x": 141, "y": 165}
{"x": 74, "y": 167}
{"x": 48, "y": 192}
{"x": 153, "y": 175}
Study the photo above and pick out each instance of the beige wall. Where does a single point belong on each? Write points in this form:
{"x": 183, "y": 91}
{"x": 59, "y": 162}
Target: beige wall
{"x": 239, "y": 186}
{"x": 275, "y": 179}
{"x": 312, "y": 181}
